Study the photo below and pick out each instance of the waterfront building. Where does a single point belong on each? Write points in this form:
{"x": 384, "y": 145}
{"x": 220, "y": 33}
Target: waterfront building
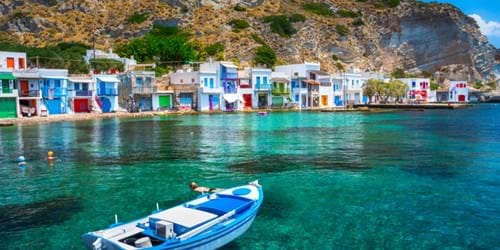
{"x": 137, "y": 89}
{"x": 163, "y": 94}
{"x": 280, "y": 90}
{"x": 262, "y": 96}
{"x": 9, "y": 107}
{"x": 107, "y": 92}
{"x": 185, "y": 85}
{"x": 304, "y": 87}
{"x": 353, "y": 82}
{"x": 418, "y": 89}
{"x": 28, "y": 85}
{"x": 228, "y": 75}
{"x": 81, "y": 94}
{"x": 246, "y": 88}
{"x": 325, "y": 89}
{"x": 54, "y": 86}
{"x": 210, "y": 91}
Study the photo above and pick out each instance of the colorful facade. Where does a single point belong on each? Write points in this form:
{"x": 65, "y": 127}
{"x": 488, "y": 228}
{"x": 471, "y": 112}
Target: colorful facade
{"x": 304, "y": 88}
{"x": 81, "y": 94}
{"x": 262, "y": 88}
{"x": 418, "y": 89}
{"x": 280, "y": 90}
{"x": 107, "y": 92}
{"x": 9, "y": 107}
{"x": 54, "y": 87}
{"x": 137, "y": 89}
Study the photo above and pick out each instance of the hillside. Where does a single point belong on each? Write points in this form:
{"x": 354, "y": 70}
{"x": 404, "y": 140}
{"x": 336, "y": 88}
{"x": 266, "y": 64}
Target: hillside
{"x": 369, "y": 34}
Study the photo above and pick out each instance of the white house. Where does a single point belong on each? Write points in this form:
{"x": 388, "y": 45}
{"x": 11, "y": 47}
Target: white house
{"x": 418, "y": 89}
{"x": 325, "y": 89}
{"x": 337, "y": 90}
{"x": 246, "y": 90}
{"x": 302, "y": 76}
{"x": 261, "y": 79}
{"x": 459, "y": 91}
{"x": 280, "y": 89}
{"x": 210, "y": 91}
{"x": 13, "y": 60}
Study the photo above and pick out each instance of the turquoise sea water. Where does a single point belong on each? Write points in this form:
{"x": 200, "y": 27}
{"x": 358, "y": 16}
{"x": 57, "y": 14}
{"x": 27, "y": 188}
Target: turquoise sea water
{"x": 412, "y": 180}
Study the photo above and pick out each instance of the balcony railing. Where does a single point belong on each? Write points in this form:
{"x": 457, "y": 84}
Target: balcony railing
{"x": 6, "y": 91}
{"x": 54, "y": 92}
{"x": 83, "y": 92}
{"x": 29, "y": 93}
{"x": 281, "y": 91}
{"x": 262, "y": 86}
{"x": 107, "y": 92}
{"x": 143, "y": 90}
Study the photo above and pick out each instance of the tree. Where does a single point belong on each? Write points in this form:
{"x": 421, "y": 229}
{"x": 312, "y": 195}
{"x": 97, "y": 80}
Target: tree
{"x": 265, "y": 55}
{"x": 398, "y": 89}
{"x": 371, "y": 88}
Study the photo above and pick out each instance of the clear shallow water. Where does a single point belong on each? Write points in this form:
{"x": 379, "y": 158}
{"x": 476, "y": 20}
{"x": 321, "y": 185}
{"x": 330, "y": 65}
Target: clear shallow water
{"x": 396, "y": 180}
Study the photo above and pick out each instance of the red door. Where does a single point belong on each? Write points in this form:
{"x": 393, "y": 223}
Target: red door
{"x": 10, "y": 62}
{"x": 461, "y": 98}
{"x": 247, "y": 98}
{"x": 81, "y": 105}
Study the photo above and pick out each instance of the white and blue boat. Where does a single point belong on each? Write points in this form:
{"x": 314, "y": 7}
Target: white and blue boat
{"x": 208, "y": 222}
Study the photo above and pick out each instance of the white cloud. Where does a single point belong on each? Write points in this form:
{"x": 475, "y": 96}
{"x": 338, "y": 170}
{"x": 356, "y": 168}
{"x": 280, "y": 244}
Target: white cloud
{"x": 488, "y": 28}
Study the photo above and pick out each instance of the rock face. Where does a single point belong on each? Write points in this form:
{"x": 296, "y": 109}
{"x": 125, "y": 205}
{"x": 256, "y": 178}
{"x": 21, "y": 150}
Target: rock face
{"x": 414, "y": 36}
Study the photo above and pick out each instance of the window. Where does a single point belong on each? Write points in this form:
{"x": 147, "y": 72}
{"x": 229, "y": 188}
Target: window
{"x": 138, "y": 80}
{"x": 22, "y": 63}
{"x": 77, "y": 86}
{"x": 296, "y": 98}
{"x": 264, "y": 80}
{"x": 10, "y": 62}
{"x": 205, "y": 82}
{"x": 257, "y": 80}
{"x": 148, "y": 81}
{"x": 211, "y": 83}
{"x": 85, "y": 86}
{"x": 413, "y": 84}
{"x": 57, "y": 83}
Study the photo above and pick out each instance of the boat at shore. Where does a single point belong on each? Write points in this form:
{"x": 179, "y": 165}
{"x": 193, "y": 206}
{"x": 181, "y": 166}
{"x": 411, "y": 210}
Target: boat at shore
{"x": 208, "y": 222}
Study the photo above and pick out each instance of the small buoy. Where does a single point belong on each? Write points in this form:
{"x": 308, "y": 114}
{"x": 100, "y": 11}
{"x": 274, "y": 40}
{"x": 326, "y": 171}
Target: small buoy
{"x": 21, "y": 161}
{"x": 50, "y": 155}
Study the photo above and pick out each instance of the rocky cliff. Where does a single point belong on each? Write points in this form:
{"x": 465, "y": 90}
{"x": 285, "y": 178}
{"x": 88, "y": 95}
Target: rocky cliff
{"x": 414, "y": 36}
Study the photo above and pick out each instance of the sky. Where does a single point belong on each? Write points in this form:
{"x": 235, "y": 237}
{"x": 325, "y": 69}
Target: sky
{"x": 485, "y": 12}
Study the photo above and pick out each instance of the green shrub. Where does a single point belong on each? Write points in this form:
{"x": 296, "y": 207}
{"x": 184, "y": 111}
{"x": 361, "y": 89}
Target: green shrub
{"x": 398, "y": 73}
{"x": 335, "y": 57}
{"x": 214, "y": 49}
{"x": 137, "y": 18}
{"x": 294, "y": 18}
{"x": 342, "y": 30}
{"x": 340, "y": 66}
{"x": 239, "y": 24}
{"x": 258, "y": 39}
{"x": 322, "y": 9}
{"x": 348, "y": 13}
{"x": 390, "y": 3}
{"x": 239, "y": 8}
{"x": 265, "y": 55}
{"x": 281, "y": 24}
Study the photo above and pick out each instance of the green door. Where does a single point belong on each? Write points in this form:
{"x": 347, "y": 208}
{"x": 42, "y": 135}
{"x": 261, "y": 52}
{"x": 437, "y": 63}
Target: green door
{"x": 165, "y": 101}
{"x": 8, "y": 108}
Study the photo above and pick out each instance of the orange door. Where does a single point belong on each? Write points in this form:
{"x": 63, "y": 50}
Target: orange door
{"x": 10, "y": 62}
{"x": 324, "y": 100}
{"x": 24, "y": 88}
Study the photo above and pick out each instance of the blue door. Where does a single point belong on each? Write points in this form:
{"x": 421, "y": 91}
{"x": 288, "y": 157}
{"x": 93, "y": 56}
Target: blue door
{"x": 337, "y": 101}
{"x": 102, "y": 88}
{"x": 106, "y": 105}
{"x": 54, "y": 106}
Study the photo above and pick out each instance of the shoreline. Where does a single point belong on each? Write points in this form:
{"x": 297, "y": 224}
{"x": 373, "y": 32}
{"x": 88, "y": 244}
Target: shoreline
{"x": 367, "y": 108}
